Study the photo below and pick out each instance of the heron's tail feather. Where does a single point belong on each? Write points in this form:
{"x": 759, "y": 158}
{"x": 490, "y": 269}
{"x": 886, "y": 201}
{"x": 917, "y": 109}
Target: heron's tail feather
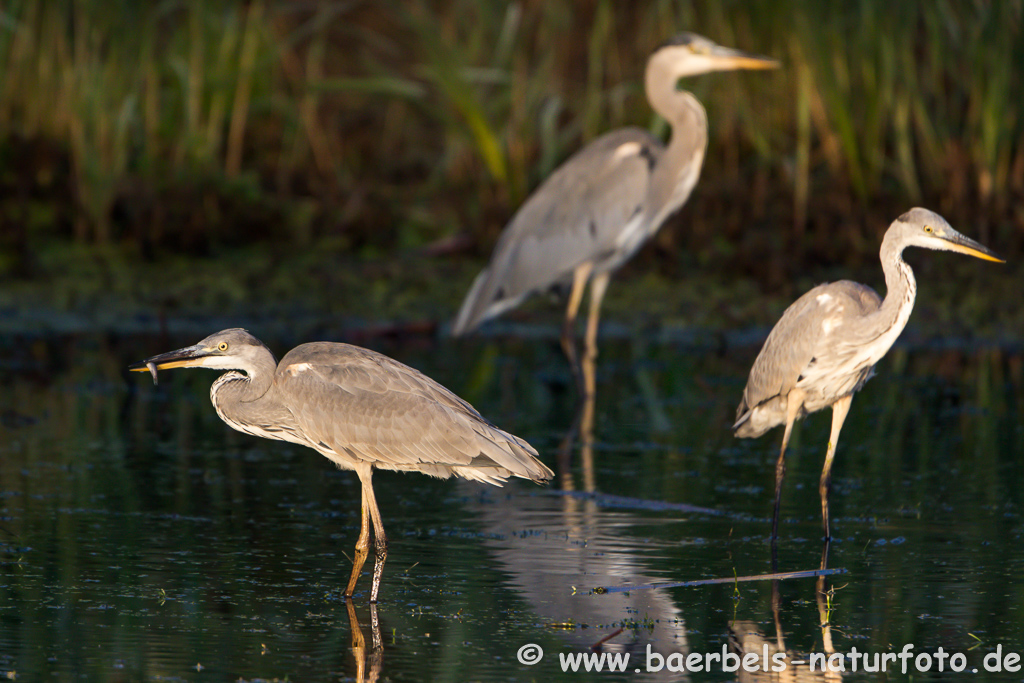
{"x": 496, "y": 476}
{"x": 502, "y": 455}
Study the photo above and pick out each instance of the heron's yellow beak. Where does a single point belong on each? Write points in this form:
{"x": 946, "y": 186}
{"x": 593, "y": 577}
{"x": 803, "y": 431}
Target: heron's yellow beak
{"x": 980, "y": 254}
{"x": 750, "y": 62}
{"x": 727, "y": 59}
{"x": 147, "y": 366}
{"x": 965, "y": 245}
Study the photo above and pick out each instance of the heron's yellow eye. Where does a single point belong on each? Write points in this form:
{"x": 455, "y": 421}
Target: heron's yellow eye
{"x": 927, "y": 228}
{"x": 223, "y": 346}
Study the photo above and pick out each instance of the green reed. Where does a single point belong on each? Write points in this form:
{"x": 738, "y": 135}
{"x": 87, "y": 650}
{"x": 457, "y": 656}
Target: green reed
{"x": 439, "y": 117}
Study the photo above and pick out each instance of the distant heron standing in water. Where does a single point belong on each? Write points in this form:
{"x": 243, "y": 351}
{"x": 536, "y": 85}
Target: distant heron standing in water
{"x": 825, "y": 346}
{"x": 361, "y": 410}
{"x": 599, "y": 207}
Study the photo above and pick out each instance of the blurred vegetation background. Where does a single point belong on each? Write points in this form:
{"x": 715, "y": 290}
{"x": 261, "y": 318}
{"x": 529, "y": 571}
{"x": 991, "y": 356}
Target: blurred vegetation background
{"x": 273, "y": 138}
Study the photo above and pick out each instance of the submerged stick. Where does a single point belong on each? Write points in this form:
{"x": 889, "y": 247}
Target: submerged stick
{"x": 628, "y": 502}
{"x": 597, "y": 646}
{"x": 778, "y": 576}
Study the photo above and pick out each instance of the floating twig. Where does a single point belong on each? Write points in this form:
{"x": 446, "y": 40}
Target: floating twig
{"x": 778, "y": 576}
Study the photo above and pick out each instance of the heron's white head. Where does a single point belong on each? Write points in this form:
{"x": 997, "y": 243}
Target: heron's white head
{"x": 689, "y": 54}
{"x": 927, "y": 229}
{"x": 233, "y": 349}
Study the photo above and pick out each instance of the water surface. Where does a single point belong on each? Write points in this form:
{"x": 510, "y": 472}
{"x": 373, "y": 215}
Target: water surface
{"x": 142, "y": 539}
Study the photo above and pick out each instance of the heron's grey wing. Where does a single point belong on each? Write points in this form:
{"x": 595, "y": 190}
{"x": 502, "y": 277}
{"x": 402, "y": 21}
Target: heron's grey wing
{"x": 802, "y": 342}
{"x": 581, "y": 213}
{"x": 357, "y": 405}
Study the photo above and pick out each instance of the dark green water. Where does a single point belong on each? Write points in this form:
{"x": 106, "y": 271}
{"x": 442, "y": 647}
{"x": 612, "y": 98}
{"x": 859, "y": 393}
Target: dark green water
{"x": 142, "y": 539}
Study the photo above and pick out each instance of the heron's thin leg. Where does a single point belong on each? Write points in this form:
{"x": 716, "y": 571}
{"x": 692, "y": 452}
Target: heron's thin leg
{"x": 362, "y": 547}
{"x": 794, "y": 401}
{"x": 598, "y": 286}
{"x": 839, "y": 410}
{"x": 587, "y": 443}
{"x": 579, "y": 283}
{"x": 380, "y": 540}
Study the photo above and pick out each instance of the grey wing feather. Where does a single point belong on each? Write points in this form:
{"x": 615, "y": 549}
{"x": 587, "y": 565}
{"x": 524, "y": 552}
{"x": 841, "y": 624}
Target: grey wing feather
{"x": 354, "y": 404}
{"x": 576, "y": 215}
{"x": 799, "y": 340}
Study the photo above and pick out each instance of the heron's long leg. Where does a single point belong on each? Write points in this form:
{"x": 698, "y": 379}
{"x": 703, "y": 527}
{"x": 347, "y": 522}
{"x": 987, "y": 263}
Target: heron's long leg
{"x": 380, "y": 541}
{"x": 839, "y": 410}
{"x": 362, "y": 547}
{"x": 579, "y": 283}
{"x": 598, "y": 286}
{"x": 794, "y": 401}
{"x": 587, "y": 438}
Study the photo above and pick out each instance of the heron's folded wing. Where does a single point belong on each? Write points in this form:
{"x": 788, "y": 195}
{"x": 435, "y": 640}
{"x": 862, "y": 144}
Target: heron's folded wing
{"x": 375, "y": 409}
{"x": 805, "y": 336}
{"x": 578, "y": 214}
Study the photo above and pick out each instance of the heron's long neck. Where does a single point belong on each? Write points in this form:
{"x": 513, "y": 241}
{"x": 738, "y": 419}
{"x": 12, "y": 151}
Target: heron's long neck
{"x": 679, "y": 167}
{"x": 900, "y": 290}
{"x": 234, "y": 393}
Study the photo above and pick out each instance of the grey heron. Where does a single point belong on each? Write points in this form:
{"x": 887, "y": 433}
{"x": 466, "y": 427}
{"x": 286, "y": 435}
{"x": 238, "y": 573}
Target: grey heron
{"x": 826, "y": 345}
{"x": 600, "y": 206}
{"x": 360, "y": 409}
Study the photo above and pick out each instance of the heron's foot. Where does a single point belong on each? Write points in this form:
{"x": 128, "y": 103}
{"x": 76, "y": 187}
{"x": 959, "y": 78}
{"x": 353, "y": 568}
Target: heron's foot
{"x": 357, "y": 568}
